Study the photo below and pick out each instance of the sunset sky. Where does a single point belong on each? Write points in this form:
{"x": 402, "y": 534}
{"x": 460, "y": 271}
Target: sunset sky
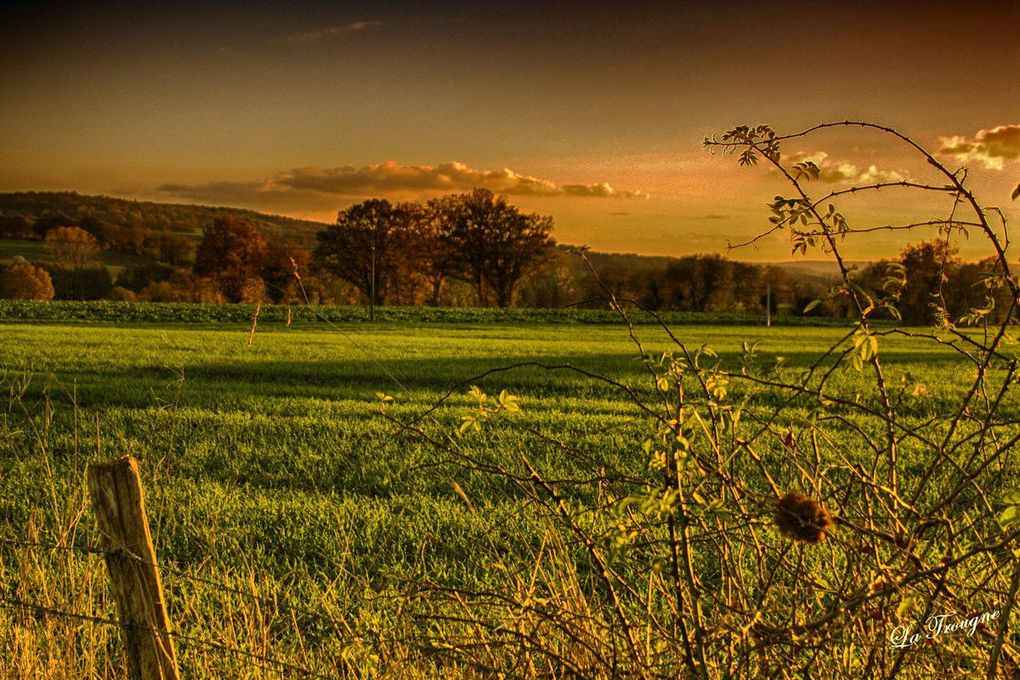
{"x": 591, "y": 112}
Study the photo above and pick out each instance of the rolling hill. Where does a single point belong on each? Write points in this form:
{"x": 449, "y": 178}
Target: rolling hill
{"x": 72, "y": 207}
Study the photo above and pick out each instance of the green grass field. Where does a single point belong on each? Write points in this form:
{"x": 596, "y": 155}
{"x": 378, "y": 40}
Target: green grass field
{"x": 271, "y": 468}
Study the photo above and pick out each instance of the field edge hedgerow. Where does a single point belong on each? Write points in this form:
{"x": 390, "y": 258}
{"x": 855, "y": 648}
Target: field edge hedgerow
{"x": 104, "y": 311}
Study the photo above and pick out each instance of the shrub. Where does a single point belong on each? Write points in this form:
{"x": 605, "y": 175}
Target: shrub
{"x": 123, "y": 294}
{"x": 779, "y": 517}
{"x": 164, "y": 291}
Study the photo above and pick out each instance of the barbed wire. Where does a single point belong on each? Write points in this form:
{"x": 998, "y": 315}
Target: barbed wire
{"x": 88, "y": 549}
{"x": 180, "y": 573}
{"x": 16, "y": 603}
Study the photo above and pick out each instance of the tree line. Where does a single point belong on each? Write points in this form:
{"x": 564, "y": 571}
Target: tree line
{"x": 400, "y": 253}
{"x": 929, "y": 283}
{"x": 473, "y": 248}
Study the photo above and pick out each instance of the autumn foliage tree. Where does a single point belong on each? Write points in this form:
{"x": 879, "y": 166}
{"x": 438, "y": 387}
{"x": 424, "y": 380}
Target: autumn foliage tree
{"x": 23, "y": 281}
{"x": 71, "y": 248}
{"x": 968, "y": 289}
{"x": 232, "y": 253}
{"x": 72, "y": 261}
{"x": 928, "y": 284}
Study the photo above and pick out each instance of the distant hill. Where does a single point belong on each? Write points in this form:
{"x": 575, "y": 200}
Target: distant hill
{"x": 159, "y": 217}
{"x": 817, "y": 271}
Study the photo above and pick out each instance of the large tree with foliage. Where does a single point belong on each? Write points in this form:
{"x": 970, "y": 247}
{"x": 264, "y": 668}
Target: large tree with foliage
{"x": 974, "y": 285}
{"x": 927, "y": 266}
{"x": 71, "y": 248}
{"x": 698, "y": 283}
{"x": 72, "y": 261}
{"x": 280, "y": 271}
{"x": 432, "y": 258}
{"x": 23, "y": 281}
{"x": 493, "y": 245}
{"x": 232, "y": 253}
{"x": 373, "y": 237}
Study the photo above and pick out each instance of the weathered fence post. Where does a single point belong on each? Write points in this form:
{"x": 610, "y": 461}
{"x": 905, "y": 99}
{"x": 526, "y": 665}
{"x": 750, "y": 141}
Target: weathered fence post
{"x": 116, "y": 491}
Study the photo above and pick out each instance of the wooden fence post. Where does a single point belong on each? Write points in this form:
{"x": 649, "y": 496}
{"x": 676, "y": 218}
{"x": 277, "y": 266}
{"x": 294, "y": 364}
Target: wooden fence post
{"x": 116, "y": 491}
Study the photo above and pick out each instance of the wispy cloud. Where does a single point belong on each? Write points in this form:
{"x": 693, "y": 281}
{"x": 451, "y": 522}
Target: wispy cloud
{"x": 328, "y": 33}
{"x": 392, "y": 178}
{"x": 991, "y": 146}
{"x": 835, "y": 172}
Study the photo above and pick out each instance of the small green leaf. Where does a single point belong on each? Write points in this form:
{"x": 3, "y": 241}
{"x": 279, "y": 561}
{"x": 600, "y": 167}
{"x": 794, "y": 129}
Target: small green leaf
{"x": 509, "y": 402}
{"x": 468, "y": 422}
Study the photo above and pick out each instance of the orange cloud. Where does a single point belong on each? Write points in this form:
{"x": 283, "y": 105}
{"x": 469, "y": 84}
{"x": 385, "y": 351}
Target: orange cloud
{"x": 393, "y": 178}
{"x": 845, "y": 173}
{"x": 991, "y": 146}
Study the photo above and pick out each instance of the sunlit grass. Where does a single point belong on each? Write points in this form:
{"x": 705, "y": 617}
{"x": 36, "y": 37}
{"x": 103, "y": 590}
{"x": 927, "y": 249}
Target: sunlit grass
{"x": 270, "y": 465}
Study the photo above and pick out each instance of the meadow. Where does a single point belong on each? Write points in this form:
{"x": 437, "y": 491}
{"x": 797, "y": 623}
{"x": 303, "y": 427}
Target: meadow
{"x": 292, "y": 515}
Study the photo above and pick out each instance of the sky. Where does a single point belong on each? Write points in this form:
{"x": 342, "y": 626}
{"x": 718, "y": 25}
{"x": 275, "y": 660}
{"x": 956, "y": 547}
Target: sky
{"x": 592, "y": 112}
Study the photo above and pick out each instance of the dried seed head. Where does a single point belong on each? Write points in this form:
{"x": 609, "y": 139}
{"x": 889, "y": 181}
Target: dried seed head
{"x": 802, "y": 518}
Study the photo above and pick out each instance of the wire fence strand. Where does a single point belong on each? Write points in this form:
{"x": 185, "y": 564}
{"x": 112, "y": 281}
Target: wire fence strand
{"x": 12, "y": 602}
{"x": 165, "y": 568}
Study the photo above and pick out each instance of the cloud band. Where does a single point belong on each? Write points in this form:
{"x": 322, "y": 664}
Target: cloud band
{"x": 991, "y": 146}
{"x": 393, "y": 178}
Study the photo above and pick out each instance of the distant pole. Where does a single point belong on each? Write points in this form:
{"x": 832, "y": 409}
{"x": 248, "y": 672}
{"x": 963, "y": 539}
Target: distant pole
{"x": 768, "y": 305}
{"x": 371, "y": 301}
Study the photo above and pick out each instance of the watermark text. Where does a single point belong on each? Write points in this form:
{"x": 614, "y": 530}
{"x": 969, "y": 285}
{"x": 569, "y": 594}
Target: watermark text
{"x": 909, "y": 634}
